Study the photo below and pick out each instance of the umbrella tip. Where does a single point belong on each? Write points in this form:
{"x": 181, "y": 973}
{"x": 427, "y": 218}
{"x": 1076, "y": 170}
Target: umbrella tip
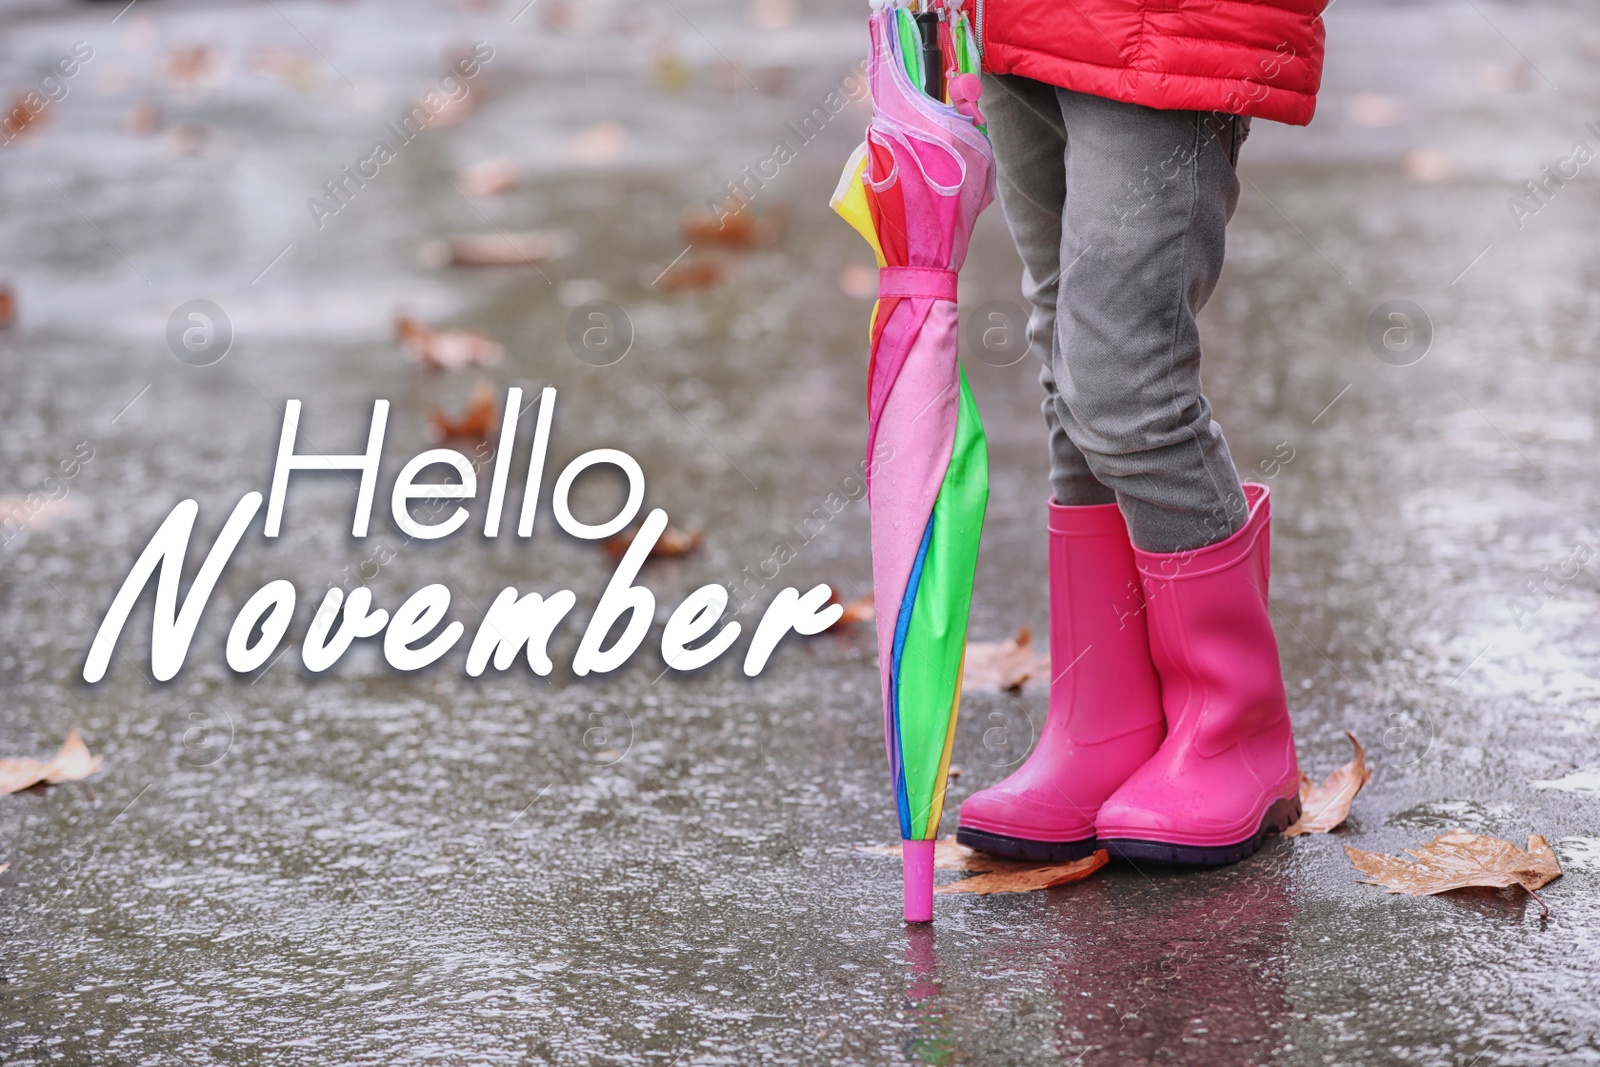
{"x": 918, "y": 857}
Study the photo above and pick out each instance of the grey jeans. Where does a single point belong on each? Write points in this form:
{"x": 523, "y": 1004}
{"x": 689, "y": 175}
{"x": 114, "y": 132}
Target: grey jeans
{"x": 1118, "y": 212}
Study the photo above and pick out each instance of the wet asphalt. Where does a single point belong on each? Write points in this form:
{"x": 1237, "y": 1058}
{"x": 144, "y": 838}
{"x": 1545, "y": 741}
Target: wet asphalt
{"x": 368, "y": 867}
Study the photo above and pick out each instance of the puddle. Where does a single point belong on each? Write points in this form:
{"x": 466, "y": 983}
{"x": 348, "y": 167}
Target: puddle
{"x": 1585, "y": 782}
{"x": 1578, "y": 853}
{"x": 1441, "y": 815}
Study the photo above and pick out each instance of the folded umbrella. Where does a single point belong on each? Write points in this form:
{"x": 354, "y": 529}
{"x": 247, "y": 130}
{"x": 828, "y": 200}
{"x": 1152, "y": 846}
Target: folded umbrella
{"x": 914, "y": 189}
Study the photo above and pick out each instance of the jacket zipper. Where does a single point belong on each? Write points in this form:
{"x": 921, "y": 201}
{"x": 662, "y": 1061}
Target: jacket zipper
{"x": 977, "y": 27}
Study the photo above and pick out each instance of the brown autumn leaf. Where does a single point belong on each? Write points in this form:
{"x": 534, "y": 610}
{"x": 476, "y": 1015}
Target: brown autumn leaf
{"x": 992, "y": 667}
{"x": 72, "y": 763}
{"x": 602, "y": 143}
{"x": 993, "y": 874}
{"x": 672, "y": 543}
{"x": 1324, "y": 808}
{"x": 476, "y": 422}
{"x": 489, "y": 177}
{"x": 8, "y": 307}
{"x": 187, "y": 139}
{"x": 855, "y": 611}
{"x": 20, "y": 117}
{"x": 295, "y": 68}
{"x": 950, "y": 855}
{"x": 691, "y": 272}
{"x": 1427, "y": 165}
{"x": 36, "y": 512}
{"x": 738, "y": 229}
{"x": 773, "y": 14}
{"x": 444, "y": 349}
{"x": 144, "y": 118}
{"x": 192, "y": 67}
{"x": 859, "y": 281}
{"x": 1028, "y": 879}
{"x": 444, "y": 110}
{"x": 774, "y": 79}
{"x": 1460, "y": 859}
{"x": 527, "y": 248}
{"x": 557, "y": 15}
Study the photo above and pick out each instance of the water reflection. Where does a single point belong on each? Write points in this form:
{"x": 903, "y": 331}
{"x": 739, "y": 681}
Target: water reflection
{"x": 931, "y": 1037}
{"x": 1180, "y": 973}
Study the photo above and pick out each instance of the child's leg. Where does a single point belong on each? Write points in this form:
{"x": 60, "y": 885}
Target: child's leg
{"x": 1030, "y": 144}
{"x": 1106, "y": 718}
{"x": 1148, "y": 196}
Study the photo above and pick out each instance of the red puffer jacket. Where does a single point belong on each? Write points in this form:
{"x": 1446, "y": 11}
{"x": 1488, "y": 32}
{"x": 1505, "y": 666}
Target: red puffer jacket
{"x": 1242, "y": 57}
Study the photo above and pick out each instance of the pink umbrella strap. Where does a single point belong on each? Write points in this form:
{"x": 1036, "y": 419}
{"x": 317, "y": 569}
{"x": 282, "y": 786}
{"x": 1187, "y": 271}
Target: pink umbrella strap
{"x": 926, "y": 282}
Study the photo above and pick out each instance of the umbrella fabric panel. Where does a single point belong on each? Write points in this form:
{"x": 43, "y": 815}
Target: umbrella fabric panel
{"x": 913, "y": 432}
{"x": 928, "y": 679}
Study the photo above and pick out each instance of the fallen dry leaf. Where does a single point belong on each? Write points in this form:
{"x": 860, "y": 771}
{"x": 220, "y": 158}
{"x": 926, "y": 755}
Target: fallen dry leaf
{"x": 671, "y": 544}
{"x": 36, "y": 512}
{"x": 498, "y": 249}
{"x": 992, "y": 667}
{"x": 948, "y": 855}
{"x": 142, "y": 33}
{"x": 1028, "y": 879}
{"x": 671, "y": 70}
{"x": 70, "y": 764}
{"x": 995, "y": 874}
{"x": 692, "y": 272}
{"x": 8, "y": 307}
{"x": 291, "y": 66}
{"x": 444, "y": 349}
{"x": 862, "y": 610}
{"x": 451, "y": 110}
{"x": 489, "y": 177}
{"x": 144, "y": 118}
{"x": 1427, "y": 165}
{"x": 1323, "y": 808}
{"x": 773, "y": 14}
{"x": 477, "y": 421}
{"x": 1505, "y": 77}
{"x": 1460, "y": 859}
{"x": 859, "y": 281}
{"x": 557, "y": 15}
{"x": 774, "y": 79}
{"x": 192, "y": 67}
{"x": 738, "y": 229}
{"x": 187, "y": 139}
{"x": 604, "y": 142}
{"x": 589, "y": 17}
{"x": 20, "y": 117}
{"x": 1375, "y": 109}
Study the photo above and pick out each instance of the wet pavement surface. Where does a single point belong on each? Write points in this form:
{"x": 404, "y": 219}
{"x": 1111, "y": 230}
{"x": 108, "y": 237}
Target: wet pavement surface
{"x": 641, "y": 867}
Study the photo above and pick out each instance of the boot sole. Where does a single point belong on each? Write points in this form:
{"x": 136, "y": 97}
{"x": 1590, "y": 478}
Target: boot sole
{"x": 1280, "y": 816}
{"x": 1020, "y": 848}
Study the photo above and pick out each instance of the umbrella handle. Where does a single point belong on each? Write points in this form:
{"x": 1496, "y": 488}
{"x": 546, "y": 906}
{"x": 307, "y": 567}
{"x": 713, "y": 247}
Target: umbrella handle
{"x": 932, "y": 55}
{"x": 918, "y": 861}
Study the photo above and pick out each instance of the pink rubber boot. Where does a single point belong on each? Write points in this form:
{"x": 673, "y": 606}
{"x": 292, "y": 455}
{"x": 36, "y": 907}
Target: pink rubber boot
{"x": 1105, "y": 703}
{"x": 1226, "y": 776}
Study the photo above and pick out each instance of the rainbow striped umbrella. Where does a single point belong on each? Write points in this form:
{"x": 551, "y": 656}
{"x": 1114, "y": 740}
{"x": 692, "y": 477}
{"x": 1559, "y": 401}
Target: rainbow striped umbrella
{"x": 914, "y": 189}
